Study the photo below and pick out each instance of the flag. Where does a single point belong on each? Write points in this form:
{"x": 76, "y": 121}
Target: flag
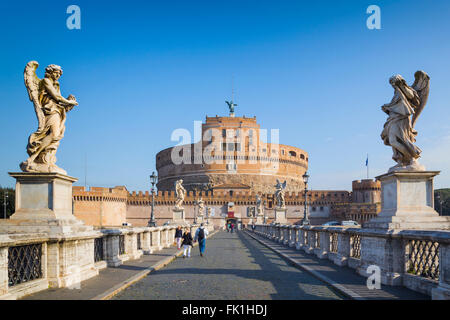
{"x": 367, "y": 161}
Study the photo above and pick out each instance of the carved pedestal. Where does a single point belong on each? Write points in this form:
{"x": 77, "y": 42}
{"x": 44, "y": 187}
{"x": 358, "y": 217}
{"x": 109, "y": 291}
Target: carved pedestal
{"x": 178, "y": 216}
{"x": 44, "y": 205}
{"x": 280, "y": 215}
{"x": 260, "y": 219}
{"x": 407, "y": 202}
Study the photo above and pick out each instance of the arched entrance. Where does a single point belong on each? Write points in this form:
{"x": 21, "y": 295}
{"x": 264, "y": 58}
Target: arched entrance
{"x": 237, "y": 223}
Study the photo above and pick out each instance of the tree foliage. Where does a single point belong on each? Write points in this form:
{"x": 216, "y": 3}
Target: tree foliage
{"x": 444, "y": 195}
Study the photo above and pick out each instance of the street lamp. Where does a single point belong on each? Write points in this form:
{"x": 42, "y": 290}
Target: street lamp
{"x": 305, "y": 221}
{"x": 195, "y": 209}
{"x": 153, "y": 180}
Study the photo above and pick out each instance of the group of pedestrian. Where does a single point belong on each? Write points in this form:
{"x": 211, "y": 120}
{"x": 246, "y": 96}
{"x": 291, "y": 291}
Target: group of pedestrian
{"x": 230, "y": 227}
{"x": 185, "y": 240}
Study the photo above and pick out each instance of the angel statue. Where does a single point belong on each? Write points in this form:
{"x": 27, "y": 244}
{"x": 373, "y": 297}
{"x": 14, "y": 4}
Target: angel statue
{"x": 279, "y": 193}
{"x": 403, "y": 111}
{"x": 259, "y": 204}
{"x": 231, "y": 106}
{"x": 201, "y": 206}
{"x": 180, "y": 191}
{"x": 51, "y": 108}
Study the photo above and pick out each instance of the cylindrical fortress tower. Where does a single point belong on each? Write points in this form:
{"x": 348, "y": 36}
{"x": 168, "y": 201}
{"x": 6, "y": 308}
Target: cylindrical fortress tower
{"x": 232, "y": 155}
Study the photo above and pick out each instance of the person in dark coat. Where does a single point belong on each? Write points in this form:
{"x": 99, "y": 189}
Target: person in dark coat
{"x": 187, "y": 243}
{"x": 178, "y": 237}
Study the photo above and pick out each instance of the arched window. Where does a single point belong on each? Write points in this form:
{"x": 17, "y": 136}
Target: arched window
{"x": 292, "y": 153}
{"x": 302, "y": 157}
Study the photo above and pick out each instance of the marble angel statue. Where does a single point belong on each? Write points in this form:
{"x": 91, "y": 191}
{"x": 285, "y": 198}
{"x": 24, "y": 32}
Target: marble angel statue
{"x": 259, "y": 204}
{"x": 180, "y": 192}
{"x": 201, "y": 206}
{"x": 51, "y": 108}
{"x": 403, "y": 112}
{"x": 279, "y": 194}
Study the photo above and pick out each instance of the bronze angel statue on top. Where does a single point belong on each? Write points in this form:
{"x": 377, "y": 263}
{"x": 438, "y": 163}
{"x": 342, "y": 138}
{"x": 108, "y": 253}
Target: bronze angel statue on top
{"x": 50, "y": 107}
{"x": 403, "y": 112}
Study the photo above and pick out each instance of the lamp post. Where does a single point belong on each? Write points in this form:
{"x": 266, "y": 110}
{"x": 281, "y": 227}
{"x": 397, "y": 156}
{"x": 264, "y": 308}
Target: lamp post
{"x": 264, "y": 213}
{"x": 305, "y": 221}
{"x": 195, "y": 211}
{"x": 153, "y": 180}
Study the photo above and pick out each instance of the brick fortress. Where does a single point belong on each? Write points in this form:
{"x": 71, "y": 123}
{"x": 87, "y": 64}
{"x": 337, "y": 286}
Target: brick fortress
{"x": 227, "y": 169}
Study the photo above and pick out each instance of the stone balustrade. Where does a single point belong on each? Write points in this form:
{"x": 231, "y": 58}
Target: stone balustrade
{"x": 418, "y": 260}
{"x": 31, "y": 262}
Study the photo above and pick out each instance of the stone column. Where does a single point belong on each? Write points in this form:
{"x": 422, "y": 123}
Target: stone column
{"x": 341, "y": 258}
{"x": 324, "y": 244}
{"x": 293, "y": 235}
{"x": 146, "y": 242}
{"x": 442, "y": 292}
{"x": 112, "y": 248}
{"x": 301, "y": 239}
{"x": 163, "y": 239}
{"x": 311, "y": 241}
{"x": 281, "y": 234}
{"x": 131, "y": 245}
{"x": 155, "y": 239}
{"x": 286, "y": 235}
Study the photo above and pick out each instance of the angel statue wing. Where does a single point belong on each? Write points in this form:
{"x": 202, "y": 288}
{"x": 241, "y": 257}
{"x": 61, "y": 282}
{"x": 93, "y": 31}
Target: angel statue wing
{"x": 422, "y": 86}
{"x": 284, "y": 184}
{"x": 32, "y": 84}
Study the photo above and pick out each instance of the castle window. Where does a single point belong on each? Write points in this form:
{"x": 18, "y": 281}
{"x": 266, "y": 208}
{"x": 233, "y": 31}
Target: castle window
{"x": 238, "y": 147}
{"x": 282, "y": 152}
{"x": 302, "y": 157}
{"x": 224, "y": 133}
{"x": 231, "y": 193}
{"x": 292, "y": 153}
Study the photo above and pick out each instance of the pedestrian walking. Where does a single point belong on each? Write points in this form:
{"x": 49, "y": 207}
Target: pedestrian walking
{"x": 232, "y": 227}
{"x": 178, "y": 237}
{"x": 187, "y": 243}
{"x": 200, "y": 235}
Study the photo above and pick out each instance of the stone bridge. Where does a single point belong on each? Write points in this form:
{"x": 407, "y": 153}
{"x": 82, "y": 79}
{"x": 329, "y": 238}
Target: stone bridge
{"x": 264, "y": 262}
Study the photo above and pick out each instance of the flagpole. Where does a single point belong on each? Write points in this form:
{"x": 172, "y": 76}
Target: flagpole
{"x": 367, "y": 166}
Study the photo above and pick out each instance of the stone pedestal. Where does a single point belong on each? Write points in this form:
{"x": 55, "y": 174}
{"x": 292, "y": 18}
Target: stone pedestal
{"x": 407, "y": 202}
{"x": 280, "y": 215}
{"x": 259, "y": 219}
{"x": 178, "y": 216}
{"x": 44, "y": 205}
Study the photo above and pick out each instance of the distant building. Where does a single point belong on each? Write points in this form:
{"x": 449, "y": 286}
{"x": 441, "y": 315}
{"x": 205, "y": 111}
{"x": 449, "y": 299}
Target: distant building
{"x": 227, "y": 170}
{"x": 365, "y": 204}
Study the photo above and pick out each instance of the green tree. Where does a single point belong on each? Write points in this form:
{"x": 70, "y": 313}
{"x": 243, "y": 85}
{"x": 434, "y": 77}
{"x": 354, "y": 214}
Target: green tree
{"x": 7, "y": 194}
{"x": 442, "y": 197}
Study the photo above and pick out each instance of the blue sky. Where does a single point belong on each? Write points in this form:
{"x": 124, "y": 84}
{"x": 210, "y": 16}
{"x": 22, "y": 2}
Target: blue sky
{"x": 141, "y": 69}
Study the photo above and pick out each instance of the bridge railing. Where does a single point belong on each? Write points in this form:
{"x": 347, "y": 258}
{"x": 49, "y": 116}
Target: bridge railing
{"x": 419, "y": 260}
{"x": 30, "y": 262}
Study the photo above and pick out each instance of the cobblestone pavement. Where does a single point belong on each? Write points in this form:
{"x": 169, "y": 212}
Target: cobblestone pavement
{"x": 235, "y": 267}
